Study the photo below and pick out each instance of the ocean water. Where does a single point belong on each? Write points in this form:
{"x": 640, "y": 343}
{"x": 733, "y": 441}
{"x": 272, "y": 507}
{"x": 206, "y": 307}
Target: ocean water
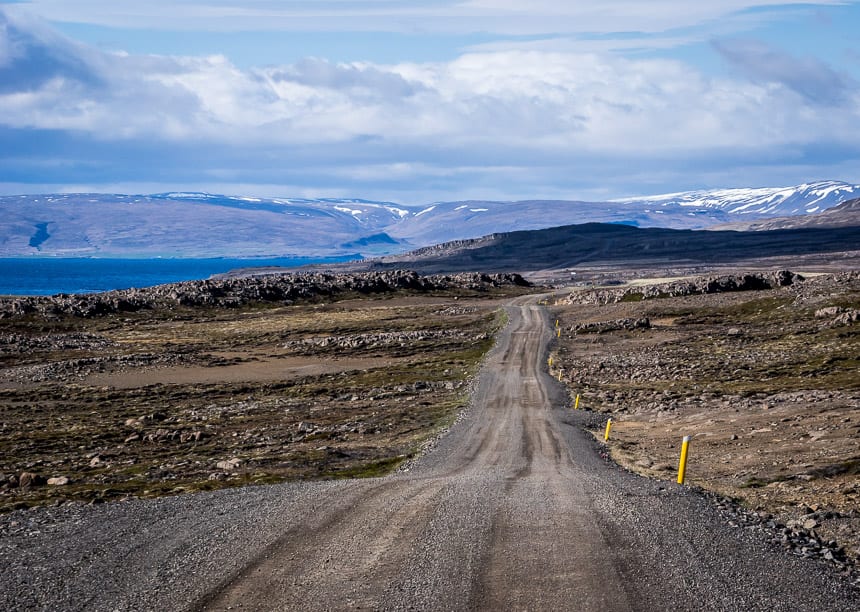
{"x": 50, "y": 275}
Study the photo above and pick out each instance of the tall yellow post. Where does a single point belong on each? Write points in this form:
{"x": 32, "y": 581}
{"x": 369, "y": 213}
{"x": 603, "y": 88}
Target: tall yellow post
{"x": 682, "y": 466}
{"x": 556, "y": 322}
{"x": 576, "y": 403}
{"x": 608, "y": 427}
{"x": 558, "y": 334}
{"x": 549, "y": 362}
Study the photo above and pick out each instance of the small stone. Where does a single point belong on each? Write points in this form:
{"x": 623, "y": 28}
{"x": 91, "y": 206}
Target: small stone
{"x": 58, "y": 481}
{"x": 95, "y": 461}
{"x": 228, "y": 465}
{"x": 734, "y": 437}
{"x": 810, "y": 524}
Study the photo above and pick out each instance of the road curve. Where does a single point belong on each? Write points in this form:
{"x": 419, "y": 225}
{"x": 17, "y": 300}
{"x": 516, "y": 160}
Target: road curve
{"x": 514, "y": 509}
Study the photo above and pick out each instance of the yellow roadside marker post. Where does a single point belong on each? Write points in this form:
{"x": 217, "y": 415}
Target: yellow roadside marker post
{"x": 576, "y": 402}
{"x": 558, "y": 333}
{"x": 549, "y": 362}
{"x": 682, "y": 466}
{"x": 606, "y": 433}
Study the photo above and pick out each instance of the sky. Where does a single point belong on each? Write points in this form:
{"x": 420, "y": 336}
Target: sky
{"x": 420, "y": 101}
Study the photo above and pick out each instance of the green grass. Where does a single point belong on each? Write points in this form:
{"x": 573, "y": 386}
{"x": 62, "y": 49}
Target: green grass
{"x": 371, "y": 469}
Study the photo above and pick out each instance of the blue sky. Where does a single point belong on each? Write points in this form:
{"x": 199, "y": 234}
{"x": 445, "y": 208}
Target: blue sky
{"x": 421, "y": 101}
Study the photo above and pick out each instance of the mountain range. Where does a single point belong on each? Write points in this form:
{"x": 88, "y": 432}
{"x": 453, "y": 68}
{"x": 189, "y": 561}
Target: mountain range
{"x": 205, "y": 225}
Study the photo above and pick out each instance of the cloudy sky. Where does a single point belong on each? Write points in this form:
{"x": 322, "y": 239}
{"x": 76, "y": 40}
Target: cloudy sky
{"x": 416, "y": 101}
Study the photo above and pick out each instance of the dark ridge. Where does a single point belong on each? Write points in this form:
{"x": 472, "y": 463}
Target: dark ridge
{"x": 571, "y": 245}
{"x": 381, "y": 238}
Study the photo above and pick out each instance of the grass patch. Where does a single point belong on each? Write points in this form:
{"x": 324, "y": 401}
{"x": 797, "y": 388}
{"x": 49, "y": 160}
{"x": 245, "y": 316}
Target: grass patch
{"x": 371, "y": 469}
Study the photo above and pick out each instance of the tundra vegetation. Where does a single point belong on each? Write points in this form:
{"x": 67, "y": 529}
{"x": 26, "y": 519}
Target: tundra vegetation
{"x": 189, "y": 387}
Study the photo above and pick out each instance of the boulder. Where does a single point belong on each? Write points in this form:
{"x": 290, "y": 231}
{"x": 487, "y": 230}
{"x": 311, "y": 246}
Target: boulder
{"x": 228, "y": 465}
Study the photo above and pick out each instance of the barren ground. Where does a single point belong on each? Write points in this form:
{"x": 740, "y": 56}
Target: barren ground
{"x": 153, "y": 403}
{"x": 512, "y": 510}
{"x": 768, "y": 391}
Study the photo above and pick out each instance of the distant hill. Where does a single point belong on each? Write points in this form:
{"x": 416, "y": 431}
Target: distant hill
{"x": 204, "y": 225}
{"x": 600, "y": 243}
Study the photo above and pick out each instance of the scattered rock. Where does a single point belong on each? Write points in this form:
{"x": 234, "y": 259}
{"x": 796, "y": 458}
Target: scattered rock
{"x": 608, "y": 326}
{"x": 703, "y": 285}
{"x": 58, "y": 481}
{"x": 228, "y": 465}
{"x": 830, "y": 311}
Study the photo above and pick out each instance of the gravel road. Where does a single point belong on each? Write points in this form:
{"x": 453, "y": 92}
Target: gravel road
{"x": 514, "y": 509}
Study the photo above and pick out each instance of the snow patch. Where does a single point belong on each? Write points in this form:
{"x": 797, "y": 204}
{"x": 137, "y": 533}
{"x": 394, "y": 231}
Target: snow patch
{"x": 397, "y": 211}
{"x": 350, "y": 211}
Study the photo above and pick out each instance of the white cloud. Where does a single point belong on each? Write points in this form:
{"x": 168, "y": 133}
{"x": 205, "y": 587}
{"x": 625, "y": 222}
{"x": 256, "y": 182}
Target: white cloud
{"x": 534, "y": 100}
{"x": 485, "y": 119}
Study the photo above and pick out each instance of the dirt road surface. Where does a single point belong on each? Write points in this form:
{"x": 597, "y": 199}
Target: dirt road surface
{"x": 515, "y": 509}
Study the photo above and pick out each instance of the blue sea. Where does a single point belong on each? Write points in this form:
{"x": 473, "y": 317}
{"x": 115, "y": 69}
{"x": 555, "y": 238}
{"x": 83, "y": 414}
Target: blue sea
{"x": 50, "y": 275}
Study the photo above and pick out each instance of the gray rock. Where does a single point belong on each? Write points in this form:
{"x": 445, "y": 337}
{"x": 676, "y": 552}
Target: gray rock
{"x": 229, "y": 465}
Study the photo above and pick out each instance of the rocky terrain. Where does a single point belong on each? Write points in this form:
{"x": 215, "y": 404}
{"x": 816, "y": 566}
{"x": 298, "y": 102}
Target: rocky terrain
{"x": 233, "y": 292}
{"x": 727, "y": 283}
{"x": 227, "y": 382}
{"x": 515, "y": 508}
{"x": 761, "y": 370}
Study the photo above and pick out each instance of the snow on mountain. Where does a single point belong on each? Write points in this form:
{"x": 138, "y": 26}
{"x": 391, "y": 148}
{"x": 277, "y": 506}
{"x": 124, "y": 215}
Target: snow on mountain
{"x": 762, "y": 202}
{"x": 190, "y": 224}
